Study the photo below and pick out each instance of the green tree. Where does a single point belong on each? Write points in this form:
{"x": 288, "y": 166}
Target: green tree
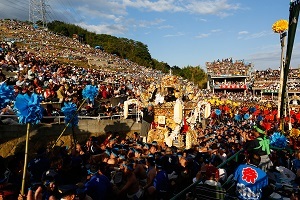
{"x": 128, "y": 49}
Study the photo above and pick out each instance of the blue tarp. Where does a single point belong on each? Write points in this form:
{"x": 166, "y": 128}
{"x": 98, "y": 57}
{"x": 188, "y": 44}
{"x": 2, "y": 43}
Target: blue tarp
{"x": 99, "y": 47}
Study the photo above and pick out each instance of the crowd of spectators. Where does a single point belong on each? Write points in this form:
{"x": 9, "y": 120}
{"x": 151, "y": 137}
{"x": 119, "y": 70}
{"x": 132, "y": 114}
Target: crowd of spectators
{"x": 128, "y": 168}
{"x": 270, "y": 80}
{"x": 265, "y": 81}
{"x": 38, "y": 68}
{"x": 36, "y": 64}
{"x": 228, "y": 67}
{"x": 234, "y": 96}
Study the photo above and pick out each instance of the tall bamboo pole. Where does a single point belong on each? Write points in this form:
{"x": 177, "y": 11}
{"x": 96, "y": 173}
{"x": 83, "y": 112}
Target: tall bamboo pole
{"x": 282, "y": 41}
{"x": 25, "y": 160}
{"x": 293, "y": 21}
{"x": 66, "y": 126}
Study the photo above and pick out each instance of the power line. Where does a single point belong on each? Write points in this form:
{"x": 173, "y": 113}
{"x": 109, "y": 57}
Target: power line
{"x": 39, "y": 11}
{"x": 21, "y": 3}
{"x": 50, "y": 17}
{"x": 13, "y": 6}
{"x": 77, "y": 14}
{"x": 51, "y": 13}
{"x": 67, "y": 17}
{"x": 6, "y": 12}
{"x": 56, "y": 17}
{"x": 65, "y": 8}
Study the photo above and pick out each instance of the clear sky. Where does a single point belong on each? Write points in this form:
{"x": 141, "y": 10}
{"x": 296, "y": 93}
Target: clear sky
{"x": 180, "y": 32}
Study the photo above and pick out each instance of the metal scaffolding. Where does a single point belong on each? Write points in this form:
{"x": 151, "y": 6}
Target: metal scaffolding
{"x": 37, "y": 12}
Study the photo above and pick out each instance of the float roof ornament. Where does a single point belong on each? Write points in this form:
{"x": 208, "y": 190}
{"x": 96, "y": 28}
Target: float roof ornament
{"x": 280, "y": 26}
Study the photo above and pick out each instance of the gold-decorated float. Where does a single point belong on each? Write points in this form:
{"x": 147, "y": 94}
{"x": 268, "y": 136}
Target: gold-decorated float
{"x": 176, "y": 107}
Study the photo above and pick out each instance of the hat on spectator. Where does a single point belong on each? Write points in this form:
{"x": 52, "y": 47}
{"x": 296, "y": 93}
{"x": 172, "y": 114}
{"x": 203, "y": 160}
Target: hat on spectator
{"x": 123, "y": 147}
{"x": 154, "y": 143}
{"x": 114, "y": 153}
{"x": 66, "y": 190}
{"x": 49, "y": 175}
{"x": 116, "y": 148}
{"x": 211, "y": 171}
{"x": 129, "y": 166}
{"x": 179, "y": 154}
{"x": 122, "y": 157}
{"x": 107, "y": 152}
{"x": 139, "y": 144}
{"x": 150, "y": 105}
{"x": 93, "y": 169}
{"x": 146, "y": 146}
{"x": 158, "y": 164}
{"x": 80, "y": 188}
{"x": 174, "y": 148}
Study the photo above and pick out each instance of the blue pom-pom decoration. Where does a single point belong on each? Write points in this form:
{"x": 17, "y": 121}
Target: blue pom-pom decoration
{"x": 278, "y": 140}
{"x": 6, "y": 95}
{"x": 218, "y": 112}
{"x": 70, "y": 111}
{"x": 246, "y": 116}
{"x": 28, "y": 108}
{"x": 90, "y": 92}
{"x": 237, "y": 117}
{"x": 259, "y": 118}
{"x": 252, "y": 109}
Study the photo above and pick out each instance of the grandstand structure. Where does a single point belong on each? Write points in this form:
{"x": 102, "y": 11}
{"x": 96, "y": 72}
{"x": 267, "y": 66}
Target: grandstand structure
{"x": 266, "y": 84}
{"x": 227, "y": 75}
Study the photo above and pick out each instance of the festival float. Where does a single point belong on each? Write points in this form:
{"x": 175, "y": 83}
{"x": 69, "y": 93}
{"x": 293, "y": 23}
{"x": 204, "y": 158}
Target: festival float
{"x": 177, "y": 110}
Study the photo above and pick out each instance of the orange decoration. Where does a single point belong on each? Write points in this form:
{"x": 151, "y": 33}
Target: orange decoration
{"x": 245, "y": 109}
{"x": 292, "y": 112}
{"x": 292, "y": 120}
{"x": 266, "y": 112}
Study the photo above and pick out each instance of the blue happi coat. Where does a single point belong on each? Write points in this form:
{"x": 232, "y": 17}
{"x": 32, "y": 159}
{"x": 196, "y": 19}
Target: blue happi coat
{"x": 250, "y": 181}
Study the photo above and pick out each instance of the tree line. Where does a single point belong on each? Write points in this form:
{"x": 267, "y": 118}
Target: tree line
{"x": 132, "y": 50}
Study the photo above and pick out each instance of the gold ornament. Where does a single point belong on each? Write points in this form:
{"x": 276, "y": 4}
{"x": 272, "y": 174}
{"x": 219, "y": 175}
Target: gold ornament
{"x": 190, "y": 139}
{"x": 280, "y": 26}
{"x": 294, "y": 133}
{"x": 157, "y": 135}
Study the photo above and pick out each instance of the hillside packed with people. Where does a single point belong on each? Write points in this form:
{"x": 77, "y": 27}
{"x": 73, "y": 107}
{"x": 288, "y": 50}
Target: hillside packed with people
{"x": 38, "y": 69}
{"x": 115, "y": 167}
